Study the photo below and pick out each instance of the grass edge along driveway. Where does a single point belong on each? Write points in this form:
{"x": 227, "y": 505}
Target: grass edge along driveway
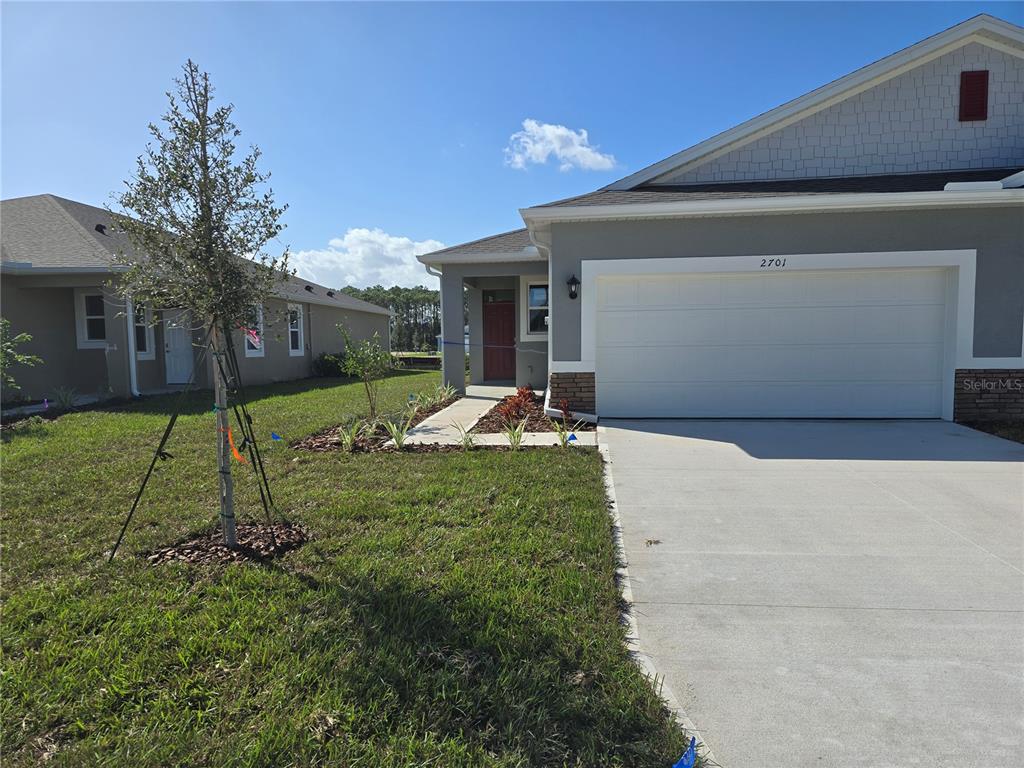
{"x": 451, "y": 609}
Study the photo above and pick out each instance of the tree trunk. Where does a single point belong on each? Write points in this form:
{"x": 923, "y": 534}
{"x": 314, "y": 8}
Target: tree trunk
{"x": 227, "y": 486}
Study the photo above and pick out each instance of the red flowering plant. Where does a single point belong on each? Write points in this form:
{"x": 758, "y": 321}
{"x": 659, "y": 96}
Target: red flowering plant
{"x": 513, "y": 408}
{"x": 510, "y": 410}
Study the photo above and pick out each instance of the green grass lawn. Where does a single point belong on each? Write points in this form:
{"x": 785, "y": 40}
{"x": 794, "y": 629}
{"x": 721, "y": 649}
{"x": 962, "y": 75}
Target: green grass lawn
{"x": 450, "y": 610}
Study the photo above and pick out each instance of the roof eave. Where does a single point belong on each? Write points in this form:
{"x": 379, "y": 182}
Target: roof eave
{"x": 480, "y": 257}
{"x": 27, "y": 268}
{"x": 535, "y": 217}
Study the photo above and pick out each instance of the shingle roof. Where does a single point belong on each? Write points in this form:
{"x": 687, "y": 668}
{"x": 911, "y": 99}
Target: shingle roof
{"x": 505, "y": 243}
{"x": 907, "y": 182}
{"x": 50, "y": 232}
{"x": 41, "y": 232}
{"x": 294, "y": 289}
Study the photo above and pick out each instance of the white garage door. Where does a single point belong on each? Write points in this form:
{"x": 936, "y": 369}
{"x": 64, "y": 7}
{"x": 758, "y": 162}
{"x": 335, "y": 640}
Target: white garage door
{"x": 836, "y": 343}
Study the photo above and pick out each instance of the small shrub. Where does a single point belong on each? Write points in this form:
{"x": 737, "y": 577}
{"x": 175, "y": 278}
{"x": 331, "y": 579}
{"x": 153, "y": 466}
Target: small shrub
{"x": 64, "y": 398}
{"x": 514, "y": 434}
{"x": 564, "y": 431}
{"x": 466, "y": 438}
{"x": 398, "y": 431}
{"x": 9, "y": 354}
{"x": 412, "y": 407}
{"x": 349, "y": 434}
{"x": 328, "y": 365}
{"x": 563, "y": 406}
{"x": 427, "y": 400}
{"x": 509, "y": 411}
{"x": 368, "y": 361}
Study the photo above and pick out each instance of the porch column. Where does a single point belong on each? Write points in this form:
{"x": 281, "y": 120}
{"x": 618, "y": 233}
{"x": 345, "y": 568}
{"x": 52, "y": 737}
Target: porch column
{"x": 453, "y": 352}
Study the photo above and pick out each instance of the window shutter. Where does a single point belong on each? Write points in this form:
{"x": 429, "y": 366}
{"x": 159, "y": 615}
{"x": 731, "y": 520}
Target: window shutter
{"x": 974, "y": 95}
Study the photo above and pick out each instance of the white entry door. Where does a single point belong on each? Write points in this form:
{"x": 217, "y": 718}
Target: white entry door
{"x": 178, "y": 355}
{"x": 831, "y": 343}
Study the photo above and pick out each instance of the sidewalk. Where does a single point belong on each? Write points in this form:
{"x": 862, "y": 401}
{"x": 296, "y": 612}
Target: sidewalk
{"x": 466, "y": 411}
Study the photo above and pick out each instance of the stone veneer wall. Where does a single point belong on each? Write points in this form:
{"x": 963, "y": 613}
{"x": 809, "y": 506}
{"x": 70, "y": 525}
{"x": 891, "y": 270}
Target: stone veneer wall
{"x": 577, "y": 388}
{"x": 988, "y": 394}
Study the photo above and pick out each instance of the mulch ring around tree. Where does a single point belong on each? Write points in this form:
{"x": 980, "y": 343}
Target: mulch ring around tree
{"x": 367, "y": 442}
{"x": 256, "y": 543}
{"x": 494, "y": 422}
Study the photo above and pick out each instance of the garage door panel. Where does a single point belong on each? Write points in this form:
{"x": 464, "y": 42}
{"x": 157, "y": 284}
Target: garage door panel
{"x": 771, "y": 325}
{"x": 840, "y": 343}
{"x": 768, "y": 400}
{"x": 897, "y": 362}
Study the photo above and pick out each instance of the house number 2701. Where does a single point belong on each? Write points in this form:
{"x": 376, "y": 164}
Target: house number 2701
{"x": 772, "y": 263}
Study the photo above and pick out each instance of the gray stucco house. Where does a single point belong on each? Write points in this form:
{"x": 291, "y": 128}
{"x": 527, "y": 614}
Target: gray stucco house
{"x": 855, "y": 252}
{"x": 57, "y": 256}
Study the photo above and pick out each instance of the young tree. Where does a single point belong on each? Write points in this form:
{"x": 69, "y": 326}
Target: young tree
{"x": 367, "y": 361}
{"x": 9, "y": 354}
{"x": 198, "y": 219}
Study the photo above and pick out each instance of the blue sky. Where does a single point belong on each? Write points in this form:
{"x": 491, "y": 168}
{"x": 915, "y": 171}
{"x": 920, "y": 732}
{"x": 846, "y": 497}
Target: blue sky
{"x": 387, "y": 126}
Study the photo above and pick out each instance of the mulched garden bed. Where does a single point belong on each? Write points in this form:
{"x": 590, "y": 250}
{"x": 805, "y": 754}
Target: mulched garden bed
{"x": 493, "y": 422}
{"x": 256, "y": 543}
{"x": 328, "y": 439}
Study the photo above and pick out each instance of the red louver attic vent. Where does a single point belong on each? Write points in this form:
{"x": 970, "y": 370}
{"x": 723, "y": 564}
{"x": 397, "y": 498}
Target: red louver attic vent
{"x": 974, "y": 95}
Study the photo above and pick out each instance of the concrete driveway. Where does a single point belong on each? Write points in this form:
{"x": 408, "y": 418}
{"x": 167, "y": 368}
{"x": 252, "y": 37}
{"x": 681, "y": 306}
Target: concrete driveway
{"x": 830, "y": 593}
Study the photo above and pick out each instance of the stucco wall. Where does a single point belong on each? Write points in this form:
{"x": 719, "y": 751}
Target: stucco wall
{"x": 323, "y": 323}
{"x": 531, "y": 357}
{"x": 996, "y": 233}
{"x": 320, "y": 335}
{"x": 276, "y": 364}
{"x": 48, "y": 314}
{"x": 907, "y": 124}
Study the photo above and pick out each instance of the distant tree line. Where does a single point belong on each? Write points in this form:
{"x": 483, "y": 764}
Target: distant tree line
{"x": 416, "y": 322}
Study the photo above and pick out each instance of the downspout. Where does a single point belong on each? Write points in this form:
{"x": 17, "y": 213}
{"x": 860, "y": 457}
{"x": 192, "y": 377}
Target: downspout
{"x": 133, "y": 374}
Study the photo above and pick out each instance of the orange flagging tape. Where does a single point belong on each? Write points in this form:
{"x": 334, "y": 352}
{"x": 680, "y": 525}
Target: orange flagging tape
{"x": 231, "y": 442}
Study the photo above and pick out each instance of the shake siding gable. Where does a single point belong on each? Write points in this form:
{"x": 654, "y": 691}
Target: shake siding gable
{"x": 908, "y": 124}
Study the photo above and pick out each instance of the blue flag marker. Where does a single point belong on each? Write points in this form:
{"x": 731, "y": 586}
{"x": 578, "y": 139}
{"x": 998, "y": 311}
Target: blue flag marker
{"x": 275, "y": 436}
{"x": 689, "y": 758}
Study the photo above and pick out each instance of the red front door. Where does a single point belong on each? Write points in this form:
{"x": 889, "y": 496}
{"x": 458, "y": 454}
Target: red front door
{"x": 499, "y": 341}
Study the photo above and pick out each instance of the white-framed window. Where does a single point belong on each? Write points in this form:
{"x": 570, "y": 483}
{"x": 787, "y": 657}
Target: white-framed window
{"x": 145, "y": 343}
{"x": 535, "y": 300}
{"x": 255, "y": 344}
{"x": 90, "y": 318}
{"x": 296, "y": 342}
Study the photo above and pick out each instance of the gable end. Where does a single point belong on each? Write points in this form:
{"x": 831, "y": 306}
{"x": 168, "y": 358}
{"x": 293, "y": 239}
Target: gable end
{"x": 961, "y": 110}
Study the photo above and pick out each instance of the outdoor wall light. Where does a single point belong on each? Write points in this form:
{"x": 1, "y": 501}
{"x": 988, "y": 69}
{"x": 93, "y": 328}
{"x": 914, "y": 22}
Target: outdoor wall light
{"x": 574, "y": 287}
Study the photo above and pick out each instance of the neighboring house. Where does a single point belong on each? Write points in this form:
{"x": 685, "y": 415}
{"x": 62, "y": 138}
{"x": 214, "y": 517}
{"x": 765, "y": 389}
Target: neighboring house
{"x": 57, "y": 256}
{"x": 856, "y": 252}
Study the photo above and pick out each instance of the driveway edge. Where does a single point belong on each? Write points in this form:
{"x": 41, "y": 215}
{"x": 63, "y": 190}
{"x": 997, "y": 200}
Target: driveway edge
{"x": 642, "y": 658}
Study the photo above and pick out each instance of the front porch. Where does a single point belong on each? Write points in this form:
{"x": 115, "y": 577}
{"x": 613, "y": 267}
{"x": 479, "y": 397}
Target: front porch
{"x": 504, "y": 308}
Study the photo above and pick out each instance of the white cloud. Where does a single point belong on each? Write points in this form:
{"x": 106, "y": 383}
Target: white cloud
{"x": 539, "y": 141}
{"x": 364, "y": 257}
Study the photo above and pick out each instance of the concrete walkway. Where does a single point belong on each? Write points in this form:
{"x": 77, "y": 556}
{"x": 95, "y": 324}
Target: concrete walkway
{"x": 466, "y": 411}
{"x": 837, "y": 594}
